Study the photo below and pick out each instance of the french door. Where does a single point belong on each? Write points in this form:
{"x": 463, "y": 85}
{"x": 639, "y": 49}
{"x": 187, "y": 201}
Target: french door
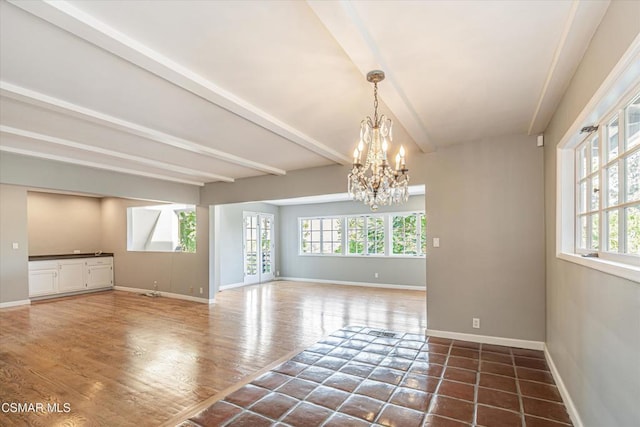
{"x": 258, "y": 247}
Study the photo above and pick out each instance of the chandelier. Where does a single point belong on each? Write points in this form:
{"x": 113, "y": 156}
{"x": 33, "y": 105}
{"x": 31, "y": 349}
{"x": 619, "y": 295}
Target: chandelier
{"x": 375, "y": 183}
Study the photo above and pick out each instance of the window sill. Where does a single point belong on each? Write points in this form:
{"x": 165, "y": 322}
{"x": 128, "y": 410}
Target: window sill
{"x": 625, "y": 271}
{"x": 366, "y": 256}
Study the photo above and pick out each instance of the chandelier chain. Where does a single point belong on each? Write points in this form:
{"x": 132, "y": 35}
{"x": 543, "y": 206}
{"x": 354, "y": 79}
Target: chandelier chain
{"x": 375, "y": 104}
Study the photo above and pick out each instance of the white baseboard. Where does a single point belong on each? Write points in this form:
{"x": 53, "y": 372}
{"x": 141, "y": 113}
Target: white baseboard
{"x": 234, "y": 285}
{"x": 14, "y": 303}
{"x": 342, "y": 282}
{"x": 566, "y": 397}
{"x": 166, "y": 294}
{"x": 486, "y": 339}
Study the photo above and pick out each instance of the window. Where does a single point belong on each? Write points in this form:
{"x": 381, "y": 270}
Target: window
{"x": 608, "y": 186}
{"x": 162, "y": 228}
{"x": 409, "y": 234}
{"x": 402, "y": 234}
{"x": 321, "y": 236}
{"x": 599, "y": 185}
{"x": 375, "y": 235}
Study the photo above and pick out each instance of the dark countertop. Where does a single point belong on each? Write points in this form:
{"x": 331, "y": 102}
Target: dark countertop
{"x": 67, "y": 256}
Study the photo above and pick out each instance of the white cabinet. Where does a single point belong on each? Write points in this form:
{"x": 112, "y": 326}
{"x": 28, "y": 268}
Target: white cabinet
{"x": 43, "y": 278}
{"x": 99, "y": 272}
{"x": 61, "y": 276}
{"x": 71, "y": 275}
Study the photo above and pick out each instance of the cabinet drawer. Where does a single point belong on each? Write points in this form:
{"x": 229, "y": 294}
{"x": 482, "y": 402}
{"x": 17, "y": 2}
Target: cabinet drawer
{"x": 99, "y": 261}
{"x": 43, "y": 265}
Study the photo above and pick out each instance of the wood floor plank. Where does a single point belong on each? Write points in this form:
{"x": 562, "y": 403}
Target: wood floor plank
{"x": 120, "y": 358}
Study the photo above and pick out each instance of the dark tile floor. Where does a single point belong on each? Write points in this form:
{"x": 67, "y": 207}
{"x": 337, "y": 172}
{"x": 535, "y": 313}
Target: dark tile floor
{"x": 360, "y": 377}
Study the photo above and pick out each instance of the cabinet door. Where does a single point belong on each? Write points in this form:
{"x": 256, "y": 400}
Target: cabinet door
{"x": 99, "y": 276}
{"x": 71, "y": 275}
{"x": 43, "y": 282}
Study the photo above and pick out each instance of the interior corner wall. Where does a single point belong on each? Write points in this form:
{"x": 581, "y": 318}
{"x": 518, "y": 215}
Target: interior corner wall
{"x": 175, "y": 272}
{"x": 593, "y": 318}
{"x": 485, "y": 202}
{"x": 14, "y": 272}
{"x": 230, "y": 260}
{"x": 394, "y": 271}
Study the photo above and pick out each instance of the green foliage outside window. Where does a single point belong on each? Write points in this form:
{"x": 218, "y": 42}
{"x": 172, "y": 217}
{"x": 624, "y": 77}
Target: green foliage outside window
{"x": 187, "y": 230}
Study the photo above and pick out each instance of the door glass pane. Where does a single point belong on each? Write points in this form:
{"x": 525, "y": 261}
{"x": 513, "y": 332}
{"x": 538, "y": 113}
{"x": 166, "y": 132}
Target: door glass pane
{"x": 265, "y": 243}
{"x": 595, "y": 153}
{"x": 633, "y": 123}
{"x": 595, "y": 193}
{"x": 251, "y": 245}
{"x": 632, "y": 171}
{"x": 612, "y": 185}
{"x": 612, "y": 224}
{"x": 633, "y": 229}
{"x": 612, "y": 132}
{"x": 595, "y": 231}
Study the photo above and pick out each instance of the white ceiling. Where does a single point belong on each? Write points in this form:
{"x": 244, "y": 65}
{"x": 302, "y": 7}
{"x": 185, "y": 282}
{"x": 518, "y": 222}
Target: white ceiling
{"x": 204, "y": 91}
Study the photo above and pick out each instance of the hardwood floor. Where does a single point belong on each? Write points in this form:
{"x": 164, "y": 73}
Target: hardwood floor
{"x": 119, "y": 358}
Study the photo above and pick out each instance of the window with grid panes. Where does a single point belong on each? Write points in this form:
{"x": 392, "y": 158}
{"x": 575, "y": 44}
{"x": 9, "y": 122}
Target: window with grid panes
{"x": 608, "y": 186}
{"x": 321, "y": 236}
{"x": 409, "y": 234}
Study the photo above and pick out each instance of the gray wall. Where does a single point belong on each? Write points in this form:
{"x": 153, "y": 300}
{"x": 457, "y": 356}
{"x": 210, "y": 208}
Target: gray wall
{"x": 50, "y": 175}
{"x": 14, "y": 273}
{"x": 485, "y": 203}
{"x": 60, "y": 223}
{"x": 229, "y": 239}
{"x": 175, "y": 272}
{"x": 593, "y": 319}
{"x": 397, "y": 271}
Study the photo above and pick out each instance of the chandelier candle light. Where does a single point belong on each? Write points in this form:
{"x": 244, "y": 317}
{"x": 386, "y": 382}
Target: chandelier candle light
{"x": 375, "y": 183}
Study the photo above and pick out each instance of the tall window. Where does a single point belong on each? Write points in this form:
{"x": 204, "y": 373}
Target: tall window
{"x": 409, "y": 234}
{"x": 375, "y": 235}
{"x": 356, "y": 235}
{"x": 321, "y": 236}
{"x": 608, "y": 185}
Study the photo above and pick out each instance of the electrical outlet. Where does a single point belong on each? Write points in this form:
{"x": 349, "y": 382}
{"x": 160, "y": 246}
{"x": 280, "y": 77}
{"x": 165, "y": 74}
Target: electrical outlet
{"x": 15, "y": 245}
{"x": 476, "y": 323}
{"x": 191, "y": 290}
{"x": 76, "y": 251}
{"x": 375, "y": 275}
{"x": 277, "y": 273}
{"x": 201, "y": 292}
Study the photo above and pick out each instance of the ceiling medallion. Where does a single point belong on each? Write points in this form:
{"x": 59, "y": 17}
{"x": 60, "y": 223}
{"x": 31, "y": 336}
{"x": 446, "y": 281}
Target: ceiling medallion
{"x": 375, "y": 183}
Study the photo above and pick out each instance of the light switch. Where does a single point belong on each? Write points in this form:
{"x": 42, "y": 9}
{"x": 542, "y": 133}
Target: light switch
{"x": 436, "y": 242}
{"x": 15, "y": 245}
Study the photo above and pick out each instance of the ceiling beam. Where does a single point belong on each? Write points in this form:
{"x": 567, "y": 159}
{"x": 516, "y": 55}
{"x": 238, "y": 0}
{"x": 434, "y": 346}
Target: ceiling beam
{"x": 38, "y": 99}
{"x": 111, "y": 153}
{"x": 342, "y": 21}
{"x": 73, "y": 20}
{"x": 96, "y": 165}
{"x": 579, "y": 27}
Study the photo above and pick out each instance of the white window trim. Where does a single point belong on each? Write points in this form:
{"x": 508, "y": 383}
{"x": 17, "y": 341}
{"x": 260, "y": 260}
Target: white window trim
{"x": 388, "y": 253}
{"x": 620, "y": 86}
